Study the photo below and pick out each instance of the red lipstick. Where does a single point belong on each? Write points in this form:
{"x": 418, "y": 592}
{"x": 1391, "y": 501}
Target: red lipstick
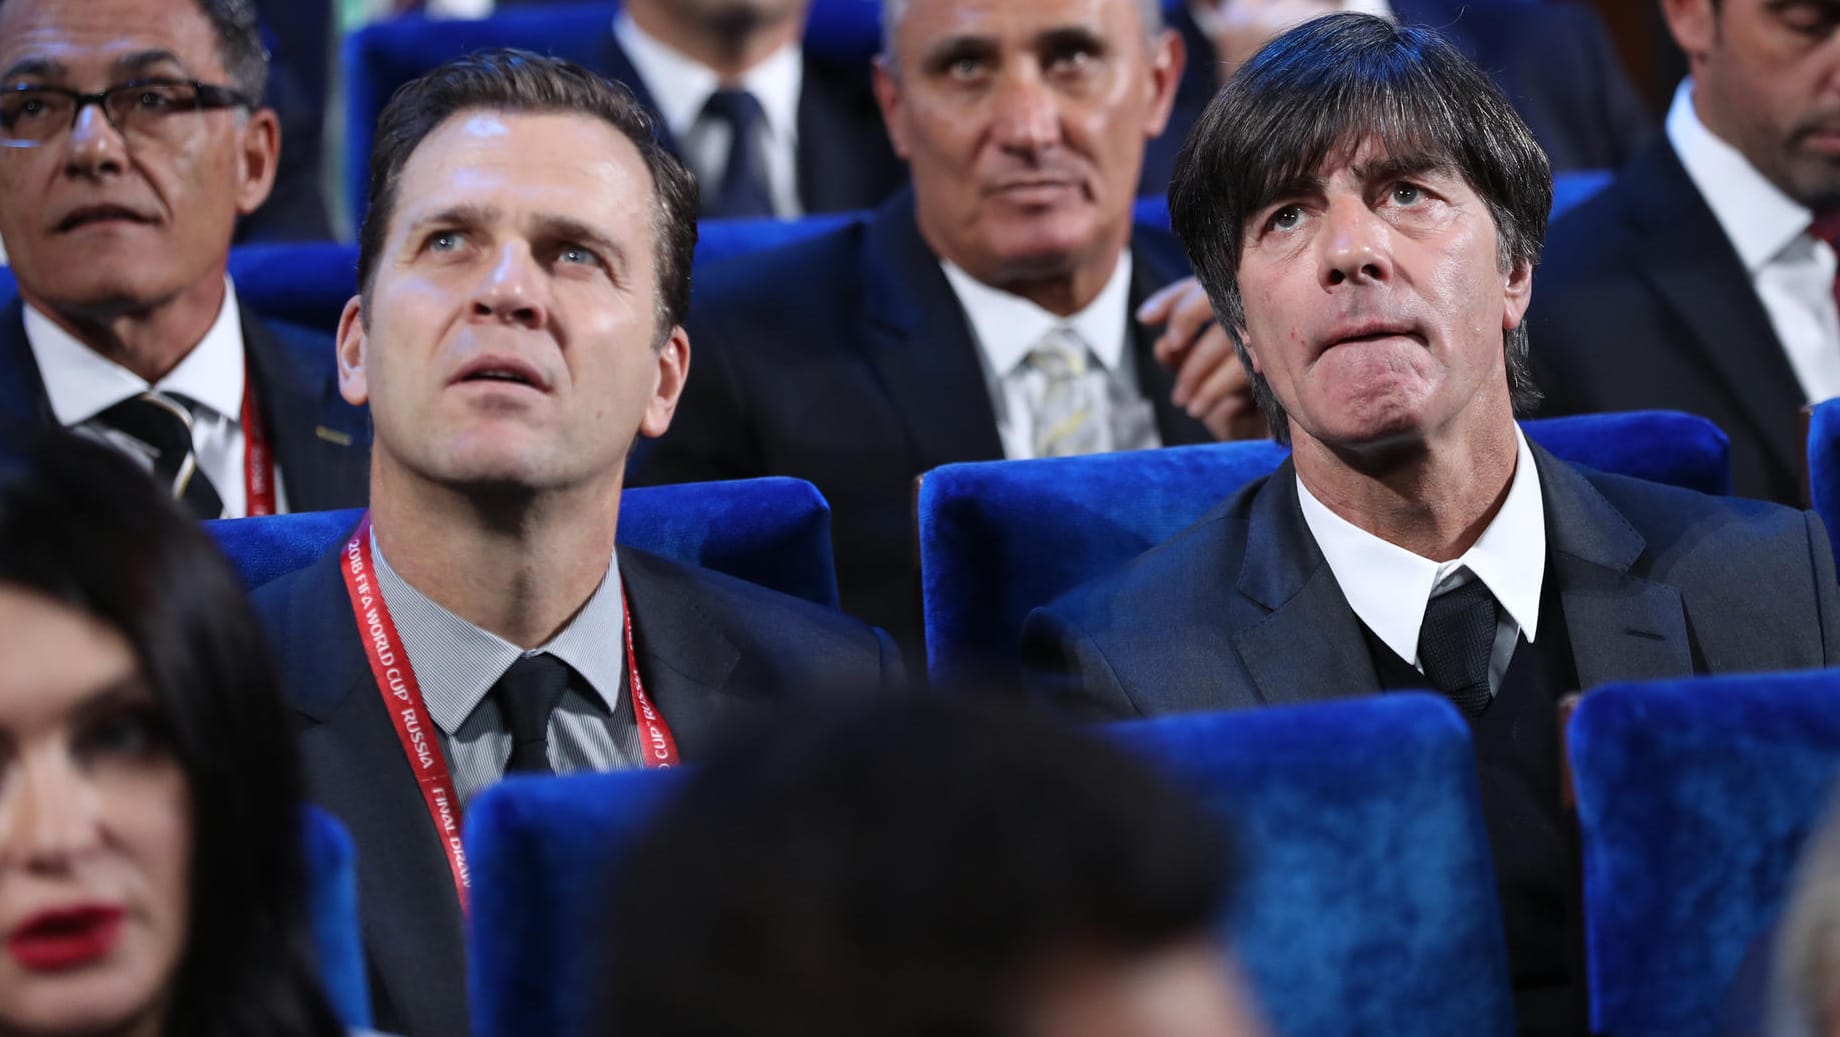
{"x": 67, "y": 938}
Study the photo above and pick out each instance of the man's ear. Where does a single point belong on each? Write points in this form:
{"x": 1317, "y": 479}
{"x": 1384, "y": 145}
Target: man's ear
{"x": 1517, "y": 292}
{"x": 888, "y": 98}
{"x": 351, "y": 346}
{"x": 258, "y": 156}
{"x": 673, "y": 370}
{"x": 1694, "y": 25}
{"x": 1168, "y": 55}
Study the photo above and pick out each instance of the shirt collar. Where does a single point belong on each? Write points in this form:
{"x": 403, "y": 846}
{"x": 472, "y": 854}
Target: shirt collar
{"x": 456, "y": 663}
{"x": 81, "y": 383}
{"x": 1388, "y": 586}
{"x": 1008, "y": 326}
{"x": 1208, "y": 17}
{"x": 1757, "y": 217}
{"x": 680, "y": 85}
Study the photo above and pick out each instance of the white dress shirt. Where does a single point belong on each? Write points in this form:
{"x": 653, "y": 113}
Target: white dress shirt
{"x": 1208, "y": 17}
{"x": 456, "y": 664}
{"x": 1792, "y": 272}
{"x": 1388, "y": 586}
{"x": 1006, "y": 327}
{"x": 81, "y": 383}
{"x": 680, "y": 86}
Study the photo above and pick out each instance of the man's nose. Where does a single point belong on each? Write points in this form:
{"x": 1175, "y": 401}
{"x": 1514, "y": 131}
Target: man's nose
{"x": 511, "y": 289}
{"x": 1027, "y": 113}
{"x": 1354, "y": 244}
{"x": 49, "y": 812}
{"x": 94, "y": 145}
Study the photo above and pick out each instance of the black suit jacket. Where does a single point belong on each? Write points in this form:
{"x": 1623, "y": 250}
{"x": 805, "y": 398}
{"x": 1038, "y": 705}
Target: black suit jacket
{"x": 715, "y": 653}
{"x": 321, "y": 443}
{"x": 1555, "y": 62}
{"x": 1240, "y": 610}
{"x": 845, "y": 161}
{"x": 847, "y": 361}
{"x": 1640, "y": 301}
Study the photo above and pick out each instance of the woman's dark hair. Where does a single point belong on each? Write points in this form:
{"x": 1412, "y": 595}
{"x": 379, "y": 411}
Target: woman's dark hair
{"x": 83, "y": 526}
{"x": 1320, "y": 91}
{"x": 903, "y": 868}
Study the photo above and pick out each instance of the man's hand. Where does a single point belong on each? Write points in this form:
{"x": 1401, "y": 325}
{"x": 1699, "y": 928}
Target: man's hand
{"x": 1238, "y": 28}
{"x": 1210, "y": 382}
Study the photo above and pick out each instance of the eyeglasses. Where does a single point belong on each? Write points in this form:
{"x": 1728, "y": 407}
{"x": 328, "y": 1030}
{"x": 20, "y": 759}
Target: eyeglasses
{"x": 32, "y": 113}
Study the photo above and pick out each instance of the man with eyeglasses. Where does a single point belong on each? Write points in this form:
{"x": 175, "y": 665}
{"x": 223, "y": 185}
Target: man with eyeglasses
{"x": 132, "y": 137}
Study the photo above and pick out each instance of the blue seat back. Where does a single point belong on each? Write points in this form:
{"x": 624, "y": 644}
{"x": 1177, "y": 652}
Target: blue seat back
{"x": 332, "y": 914}
{"x": 775, "y": 532}
{"x": 381, "y": 57}
{"x": 1694, "y": 798}
{"x": 998, "y": 538}
{"x": 1359, "y": 825}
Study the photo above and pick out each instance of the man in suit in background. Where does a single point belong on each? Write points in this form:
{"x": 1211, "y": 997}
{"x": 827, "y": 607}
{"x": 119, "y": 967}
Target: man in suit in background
{"x": 133, "y": 139}
{"x": 1703, "y": 279}
{"x": 986, "y": 313}
{"x": 523, "y": 273}
{"x": 1555, "y": 62}
{"x": 769, "y": 129}
{"x": 1373, "y": 268}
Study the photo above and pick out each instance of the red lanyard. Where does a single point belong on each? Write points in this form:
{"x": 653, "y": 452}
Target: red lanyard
{"x": 415, "y": 729}
{"x": 258, "y": 461}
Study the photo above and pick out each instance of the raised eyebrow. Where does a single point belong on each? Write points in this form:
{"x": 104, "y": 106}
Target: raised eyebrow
{"x": 44, "y": 68}
{"x": 1301, "y": 186}
{"x": 1067, "y": 36}
{"x": 1401, "y": 167}
{"x": 453, "y": 216}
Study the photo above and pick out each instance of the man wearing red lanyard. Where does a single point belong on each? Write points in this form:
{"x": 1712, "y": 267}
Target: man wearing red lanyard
{"x": 523, "y": 273}
{"x": 132, "y": 137}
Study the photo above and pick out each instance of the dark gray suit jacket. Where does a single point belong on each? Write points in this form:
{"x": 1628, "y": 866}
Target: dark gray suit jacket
{"x": 714, "y": 652}
{"x": 1240, "y": 609}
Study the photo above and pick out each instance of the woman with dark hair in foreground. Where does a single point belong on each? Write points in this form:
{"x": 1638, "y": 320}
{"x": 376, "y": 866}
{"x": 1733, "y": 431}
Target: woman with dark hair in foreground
{"x": 152, "y": 880}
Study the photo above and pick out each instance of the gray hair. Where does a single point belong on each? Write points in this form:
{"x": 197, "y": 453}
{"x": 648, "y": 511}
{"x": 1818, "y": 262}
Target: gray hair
{"x": 893, "y": 11}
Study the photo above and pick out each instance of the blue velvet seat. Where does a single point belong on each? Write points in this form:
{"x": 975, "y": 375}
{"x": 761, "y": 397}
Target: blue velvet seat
{"x": 775, "y": 532}
{"x": 1367, "y": 880}
{"x": 1694, "y": 797}
{"x": 998, "y": 538}
{"x": 381, "y": 57}
{"x": 1824, "y": 465}
{"x": 332, "y": 914}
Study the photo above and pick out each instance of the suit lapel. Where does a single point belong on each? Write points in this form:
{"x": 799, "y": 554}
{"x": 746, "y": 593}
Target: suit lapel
{"x": 22, "y": 389}
{"x": 1691, "y": 264}
{"x": 685, "y": 658}
{"x": 1623, "y": 627}
{"x": 413, "y": 928}
{"x": 1156, "y": 261}
{"x": 615, "y": 65}
{"x": 919, "y": 342}
{"x": 1309, "y": 647}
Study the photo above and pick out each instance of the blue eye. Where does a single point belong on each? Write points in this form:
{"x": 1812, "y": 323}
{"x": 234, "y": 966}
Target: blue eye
{"x": 443, "y": 241}
{"x": 1407, "y": 194}
{"x": 577, "y": 254}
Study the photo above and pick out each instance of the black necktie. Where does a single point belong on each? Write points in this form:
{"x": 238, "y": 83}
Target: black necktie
{"x": 743, "y": 191}
{"x": 1455, "y": 642}
{"x": 526, "y": 695}
{"x": 162, "y": 425}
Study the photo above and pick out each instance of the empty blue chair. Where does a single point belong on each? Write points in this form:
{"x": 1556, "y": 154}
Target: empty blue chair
{"x": 1367, "y": 883}
{"x": 332, "y": 914}
{"x": 1824, "y": 465}
{"x": 1694, "y": 798}
{"x": 775, "y": 532}
{"x": 717, "y": 240}
{"x": 379, "y": 58}
{"x": 998, "y": 538}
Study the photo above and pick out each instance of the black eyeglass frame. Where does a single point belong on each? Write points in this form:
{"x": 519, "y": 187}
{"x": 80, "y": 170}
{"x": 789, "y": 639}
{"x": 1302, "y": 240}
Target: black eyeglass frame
{"x": 205, "y": 97}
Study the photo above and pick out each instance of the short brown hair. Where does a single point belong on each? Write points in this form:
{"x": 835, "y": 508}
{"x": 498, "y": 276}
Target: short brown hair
{"x": 507, "y": 80}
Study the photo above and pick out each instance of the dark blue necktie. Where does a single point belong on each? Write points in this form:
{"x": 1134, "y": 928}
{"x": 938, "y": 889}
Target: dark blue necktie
{"x": 743, "y": 190}
{"x": 1455, "y": 643}
{"x": 527, "y": 695}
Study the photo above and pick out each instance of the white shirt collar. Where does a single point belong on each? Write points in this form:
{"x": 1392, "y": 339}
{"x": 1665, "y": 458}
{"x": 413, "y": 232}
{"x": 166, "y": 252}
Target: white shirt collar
{"x": 1388, "y": 586}
{"x": 81, "y": 383}
{"x": 1758, "y": 218}
{"x": 1208, "y": 17}
{"x": 1008, "y": 326}
{"x": 680, "y": 85}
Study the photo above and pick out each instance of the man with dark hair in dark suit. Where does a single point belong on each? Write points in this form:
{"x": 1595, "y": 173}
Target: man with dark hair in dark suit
{"x": 1703, "y": 279}
{"x": 523, "y": 273}
{"x": 1365, "y": 209}
{"x": 1554, "y": 61}
{"x": 133, "y": 138}
{"x": 768, "y": 128}
{"x": 986, "y": 313}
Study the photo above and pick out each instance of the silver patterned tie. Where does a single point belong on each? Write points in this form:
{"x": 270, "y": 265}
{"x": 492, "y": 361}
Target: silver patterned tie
{"x": 1066, "y": 403}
